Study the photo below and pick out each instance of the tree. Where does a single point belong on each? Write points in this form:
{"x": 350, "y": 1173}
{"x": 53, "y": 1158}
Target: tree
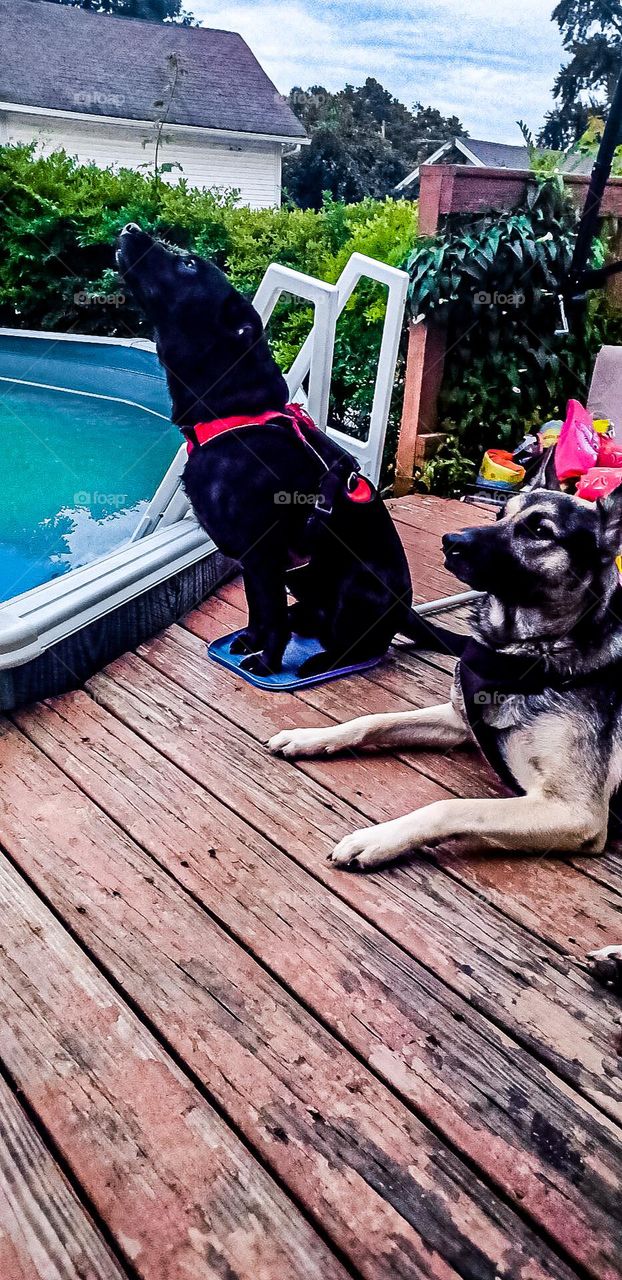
{"x": 154, "y": 10}
{"x": 363, "y": 142}
{"x": 592, "y": 35}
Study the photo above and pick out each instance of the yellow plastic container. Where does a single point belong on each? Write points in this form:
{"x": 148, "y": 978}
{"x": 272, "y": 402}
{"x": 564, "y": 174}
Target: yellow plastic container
{"x": 499, "y": 467}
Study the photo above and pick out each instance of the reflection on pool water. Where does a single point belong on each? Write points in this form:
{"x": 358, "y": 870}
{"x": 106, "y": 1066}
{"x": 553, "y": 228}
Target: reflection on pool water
{"x": 76, "y": 472}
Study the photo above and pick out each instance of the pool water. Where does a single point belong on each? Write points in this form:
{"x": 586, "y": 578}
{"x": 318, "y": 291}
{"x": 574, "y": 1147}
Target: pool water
{"x": 76, "y": 473}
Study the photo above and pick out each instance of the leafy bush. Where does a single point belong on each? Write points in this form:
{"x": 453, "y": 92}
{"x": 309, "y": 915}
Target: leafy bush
{"x": 494, "y": 283}
{"x": 59, "y": 220}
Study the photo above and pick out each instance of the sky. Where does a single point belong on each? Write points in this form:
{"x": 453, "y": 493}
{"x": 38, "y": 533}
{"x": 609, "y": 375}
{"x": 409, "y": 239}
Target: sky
{"x": 490, "y": 62}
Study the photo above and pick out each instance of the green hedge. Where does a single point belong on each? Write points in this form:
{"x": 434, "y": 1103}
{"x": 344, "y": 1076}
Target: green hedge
{"x": 59, "y": 220}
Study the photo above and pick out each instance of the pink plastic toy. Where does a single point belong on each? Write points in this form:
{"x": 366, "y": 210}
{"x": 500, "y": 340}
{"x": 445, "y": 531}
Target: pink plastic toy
{"x": 609, "y": 452}
{"x": 598, "y": 482}
{"x": 578, "y": 444}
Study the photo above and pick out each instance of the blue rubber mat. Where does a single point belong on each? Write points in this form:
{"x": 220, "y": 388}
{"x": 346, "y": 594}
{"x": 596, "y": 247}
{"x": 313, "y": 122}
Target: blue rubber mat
{"x": 298, "y": 650}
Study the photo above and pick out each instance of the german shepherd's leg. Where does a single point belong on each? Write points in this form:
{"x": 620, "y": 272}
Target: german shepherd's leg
{"x": 532, "y": 823}
{"x": 428, "y": 727}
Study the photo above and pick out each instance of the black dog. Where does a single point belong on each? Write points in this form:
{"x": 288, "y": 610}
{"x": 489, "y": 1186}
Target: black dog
{"x": 253, "y": 489}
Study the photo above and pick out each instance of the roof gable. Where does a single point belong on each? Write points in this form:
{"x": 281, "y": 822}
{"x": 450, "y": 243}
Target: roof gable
{"x": 69, "y": 59}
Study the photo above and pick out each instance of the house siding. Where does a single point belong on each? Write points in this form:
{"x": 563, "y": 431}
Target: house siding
{"x": 253, "y": 168}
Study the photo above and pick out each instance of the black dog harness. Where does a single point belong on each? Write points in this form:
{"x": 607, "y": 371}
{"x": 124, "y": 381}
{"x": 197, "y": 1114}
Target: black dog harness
{"x": 486, "y": 679}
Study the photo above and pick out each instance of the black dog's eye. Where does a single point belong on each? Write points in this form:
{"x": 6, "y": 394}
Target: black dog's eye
{"x": 189, "y": 264}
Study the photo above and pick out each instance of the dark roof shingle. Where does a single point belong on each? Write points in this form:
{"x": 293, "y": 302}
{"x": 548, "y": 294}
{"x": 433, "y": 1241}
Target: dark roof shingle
{"x": 498, "y": 155}
{"x": 69, "y": 59}
{"x": 502, "y": 155}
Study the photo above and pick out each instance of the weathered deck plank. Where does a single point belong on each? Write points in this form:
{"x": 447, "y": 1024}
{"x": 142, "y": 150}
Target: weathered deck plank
{"x": 343, "y": 1144}
{"x": 180, "y": 1194}
{"x": 45, "y": 1233}
{"x": 538, "y": 995}
{"x": 446, "y": 1060}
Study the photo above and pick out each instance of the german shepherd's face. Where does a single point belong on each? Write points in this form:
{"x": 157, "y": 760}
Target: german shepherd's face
{"x": 209, "y": 337}
{"x": 549, "y": 550}
{"x": 542, "y": 540}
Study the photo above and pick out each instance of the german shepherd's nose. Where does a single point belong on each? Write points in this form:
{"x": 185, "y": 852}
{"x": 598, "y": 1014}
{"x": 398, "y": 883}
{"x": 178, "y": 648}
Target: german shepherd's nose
{"x": 453, "y": 542}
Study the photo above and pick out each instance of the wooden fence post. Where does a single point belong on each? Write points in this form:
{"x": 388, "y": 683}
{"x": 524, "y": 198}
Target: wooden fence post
{"x": 418, "y": 437}
{"x": 425, "y": 360}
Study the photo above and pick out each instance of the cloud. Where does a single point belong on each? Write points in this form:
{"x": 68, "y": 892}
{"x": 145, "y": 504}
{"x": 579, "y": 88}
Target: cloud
{"x": 490, "y": 64}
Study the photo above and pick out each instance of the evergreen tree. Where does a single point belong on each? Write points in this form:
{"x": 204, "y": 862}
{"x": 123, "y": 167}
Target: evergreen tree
{"x": 592, "y": 36}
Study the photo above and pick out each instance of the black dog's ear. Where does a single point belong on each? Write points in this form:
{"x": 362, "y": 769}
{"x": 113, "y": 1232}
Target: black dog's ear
{"x": 240, "y": 320}
{"x": 611, "y": 521}
{"x": 542, "y": 474}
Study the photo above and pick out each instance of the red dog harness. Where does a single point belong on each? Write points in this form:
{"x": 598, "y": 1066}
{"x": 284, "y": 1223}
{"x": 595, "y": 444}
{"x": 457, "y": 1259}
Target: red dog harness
{"x": 358, "y": 489}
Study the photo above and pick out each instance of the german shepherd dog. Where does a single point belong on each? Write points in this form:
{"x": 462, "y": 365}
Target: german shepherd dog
{"x": 550, "y": 620}
{"x": 252, "y": 489}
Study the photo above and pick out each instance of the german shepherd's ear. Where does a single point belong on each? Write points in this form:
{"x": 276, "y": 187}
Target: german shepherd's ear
{"x": 543, "y": 475}
{"x": 241, "y": 321}
{"x": 611, "y": 519}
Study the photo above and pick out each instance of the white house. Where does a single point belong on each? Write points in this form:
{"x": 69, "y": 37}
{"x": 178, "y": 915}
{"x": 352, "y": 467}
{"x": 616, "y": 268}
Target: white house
{"x": 102, "y": 88}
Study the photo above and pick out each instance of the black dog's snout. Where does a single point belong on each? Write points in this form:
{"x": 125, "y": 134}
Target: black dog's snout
{"x": 130, "y": 228}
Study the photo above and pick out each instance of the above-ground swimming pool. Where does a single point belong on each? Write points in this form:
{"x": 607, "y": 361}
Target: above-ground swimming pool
{"x": 97, "y": 547}
{"x": 77, "y": 466}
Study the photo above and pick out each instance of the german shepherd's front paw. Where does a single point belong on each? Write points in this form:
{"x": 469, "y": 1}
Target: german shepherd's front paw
{"x": 606, "y": 965}
{"x": 294, "y": 744}
{"x": 258, "y": 665}
{"x": 370, "y": 847}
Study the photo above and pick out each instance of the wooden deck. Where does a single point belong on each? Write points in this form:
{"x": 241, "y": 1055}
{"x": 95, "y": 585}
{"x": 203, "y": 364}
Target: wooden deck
{"x": 221, "y": 1058}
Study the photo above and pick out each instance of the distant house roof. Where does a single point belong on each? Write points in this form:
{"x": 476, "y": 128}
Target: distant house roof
{"x": 497, "y": 155}
{"x": 489, "y": 155}
{"x": 68, "y": 59}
